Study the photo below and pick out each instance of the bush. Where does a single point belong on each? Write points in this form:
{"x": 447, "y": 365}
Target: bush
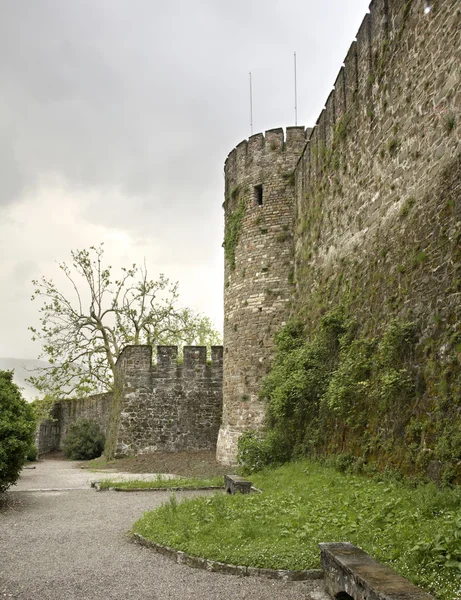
{"x": 32, "y": 453}
{"x": 256, "y": 450}
{"x": 17, "y": 428}
{"x": 84, "y": 440}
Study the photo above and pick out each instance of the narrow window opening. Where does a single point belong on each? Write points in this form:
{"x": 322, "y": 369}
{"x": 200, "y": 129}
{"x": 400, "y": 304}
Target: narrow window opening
{"x": 259, "y": 195}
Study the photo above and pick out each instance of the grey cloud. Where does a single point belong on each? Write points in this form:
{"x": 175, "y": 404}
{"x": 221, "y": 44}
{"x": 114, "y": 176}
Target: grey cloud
{"x": 143, "y": 95}
{"x": 116, "y": 117}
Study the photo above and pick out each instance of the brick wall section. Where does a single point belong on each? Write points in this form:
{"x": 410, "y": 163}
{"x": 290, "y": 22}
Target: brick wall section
{"x": 258, "y": 287}
{"x": 168, "y": 406}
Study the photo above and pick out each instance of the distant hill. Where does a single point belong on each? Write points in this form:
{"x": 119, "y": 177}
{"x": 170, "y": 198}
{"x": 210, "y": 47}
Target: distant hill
{"x": 22, "y": 369}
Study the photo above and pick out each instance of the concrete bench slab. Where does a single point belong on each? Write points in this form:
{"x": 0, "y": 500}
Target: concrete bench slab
{"x": 235, "y": 483}
{"x": 352, "y": 573}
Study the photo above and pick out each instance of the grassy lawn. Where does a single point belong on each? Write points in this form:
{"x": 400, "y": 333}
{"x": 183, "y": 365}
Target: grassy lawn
{"x": 161, "y": 482}
{"x": 417, "y": 531}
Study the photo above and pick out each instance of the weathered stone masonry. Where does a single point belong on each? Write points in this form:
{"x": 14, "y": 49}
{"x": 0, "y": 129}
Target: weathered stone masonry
{"x": 365, "y": 208}
{"x": 166, "y": 407}
{"x": 51, "y": 433}
{"x": 258, "y": 277}
{"x": 374, "y": 215}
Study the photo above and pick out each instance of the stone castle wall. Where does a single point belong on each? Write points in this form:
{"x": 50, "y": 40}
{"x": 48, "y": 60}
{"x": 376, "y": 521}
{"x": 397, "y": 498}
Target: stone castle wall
{"x": 363, "y": 210}
{"x": 169, "y": 406}
{"x": 166, "y": 407}
{"x": 375, "y": 210}
{"x": 51, "y": 432}
{"x": 377, "y": 187}
{"x": 378, "y": 221}
{"x": 258, "y": 208}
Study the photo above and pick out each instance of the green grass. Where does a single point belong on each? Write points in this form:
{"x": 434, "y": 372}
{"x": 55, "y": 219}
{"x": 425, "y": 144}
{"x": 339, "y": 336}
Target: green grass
{"x": 417, "y": 531}
{"x": 161, "y": 482}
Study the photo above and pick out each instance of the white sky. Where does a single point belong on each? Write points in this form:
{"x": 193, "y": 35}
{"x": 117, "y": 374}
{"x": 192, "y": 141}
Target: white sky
{"x": 116, "y": 117}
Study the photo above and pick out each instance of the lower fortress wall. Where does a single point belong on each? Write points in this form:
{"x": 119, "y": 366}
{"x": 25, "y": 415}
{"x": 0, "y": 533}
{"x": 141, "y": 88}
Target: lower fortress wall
{"x": 167, "y": 407}
{"x": 51, "y": 432}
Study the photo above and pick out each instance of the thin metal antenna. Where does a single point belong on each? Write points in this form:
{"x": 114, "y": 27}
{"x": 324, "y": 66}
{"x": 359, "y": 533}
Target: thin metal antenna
{"x": 296, "y": 97}
{"x": 251, "y": 107}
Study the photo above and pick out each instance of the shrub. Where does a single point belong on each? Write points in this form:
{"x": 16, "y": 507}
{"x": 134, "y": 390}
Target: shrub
{"x": 32, "y": 453}
{"x": 84, "y": 440}
{"x": 256, "y": 450}
{"x": 17, "y": 427}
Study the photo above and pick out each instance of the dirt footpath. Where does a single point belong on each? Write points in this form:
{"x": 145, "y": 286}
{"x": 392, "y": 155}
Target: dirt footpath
{"x": 70, "y": 542}
{"x": 190, "y": 464}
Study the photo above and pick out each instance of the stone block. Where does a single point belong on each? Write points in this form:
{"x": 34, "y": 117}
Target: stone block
{"x": 235, "y": 483}
{"x": 352, "y": 573}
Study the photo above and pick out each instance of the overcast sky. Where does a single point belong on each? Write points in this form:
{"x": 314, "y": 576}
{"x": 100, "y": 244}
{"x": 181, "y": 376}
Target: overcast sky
{"x": 116, "y": 117}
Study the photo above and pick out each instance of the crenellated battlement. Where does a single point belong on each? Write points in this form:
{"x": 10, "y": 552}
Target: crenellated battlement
{"x": 135, "y": 359}
{"x": 265, "y": 144}
{"x": 169, "y": 404}
{"x": 356, "y": 86}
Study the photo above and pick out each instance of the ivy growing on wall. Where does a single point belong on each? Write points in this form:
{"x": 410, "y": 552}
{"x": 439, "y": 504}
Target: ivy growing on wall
{"x": 365, "y": 399}
{"x": 232, "y": 232}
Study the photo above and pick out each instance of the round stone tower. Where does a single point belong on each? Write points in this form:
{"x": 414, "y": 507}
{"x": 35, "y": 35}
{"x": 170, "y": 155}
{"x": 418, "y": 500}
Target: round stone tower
{"x": 258, "y": 245}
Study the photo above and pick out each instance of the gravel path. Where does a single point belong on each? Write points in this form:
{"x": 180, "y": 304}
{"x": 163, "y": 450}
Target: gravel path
{"x": 69, "y": 542}
{"x": 49, "y": 475}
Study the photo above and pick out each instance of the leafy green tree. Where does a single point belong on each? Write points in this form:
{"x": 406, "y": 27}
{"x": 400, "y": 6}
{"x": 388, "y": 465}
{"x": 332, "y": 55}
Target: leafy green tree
{"x": 84, "y": 329}
{"x": 17, "y": 427}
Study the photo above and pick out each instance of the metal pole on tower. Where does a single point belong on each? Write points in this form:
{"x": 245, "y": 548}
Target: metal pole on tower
{"x": 296, "y": 96}
{"x": 251, "y": 107}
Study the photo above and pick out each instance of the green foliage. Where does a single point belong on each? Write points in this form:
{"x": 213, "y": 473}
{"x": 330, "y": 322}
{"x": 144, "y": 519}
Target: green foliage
{"x": 43, "y": 408}
{"x": 84, "y": 440}
{"x": 444, "y": 550}
{"x": 449, "y": 122}
{"x": 232, "y": 234}
{"x": 407, "y": 206}
{"x": 393, "y": 146}
{"x": 342, "y": 127}
{"x": 257, "y": 450}
{"x": 350, "y": 382}
{"x": 17, "y": 427}
{"x": 32, "y": 453}
{"x": 299, "y": 377}
{"x": 335, "y": 391}
{"x": 289, "y": 177}
{"x": 415, "y": 530}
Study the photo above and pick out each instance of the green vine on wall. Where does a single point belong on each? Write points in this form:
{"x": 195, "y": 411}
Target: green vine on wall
{"x": 378, "y": 399}
{"x": 232, "y": 232}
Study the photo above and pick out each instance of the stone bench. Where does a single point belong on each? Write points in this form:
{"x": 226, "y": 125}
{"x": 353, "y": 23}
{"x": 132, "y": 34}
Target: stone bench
{"x": 235, "y": 483}
{"x": 350, "y": 573}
